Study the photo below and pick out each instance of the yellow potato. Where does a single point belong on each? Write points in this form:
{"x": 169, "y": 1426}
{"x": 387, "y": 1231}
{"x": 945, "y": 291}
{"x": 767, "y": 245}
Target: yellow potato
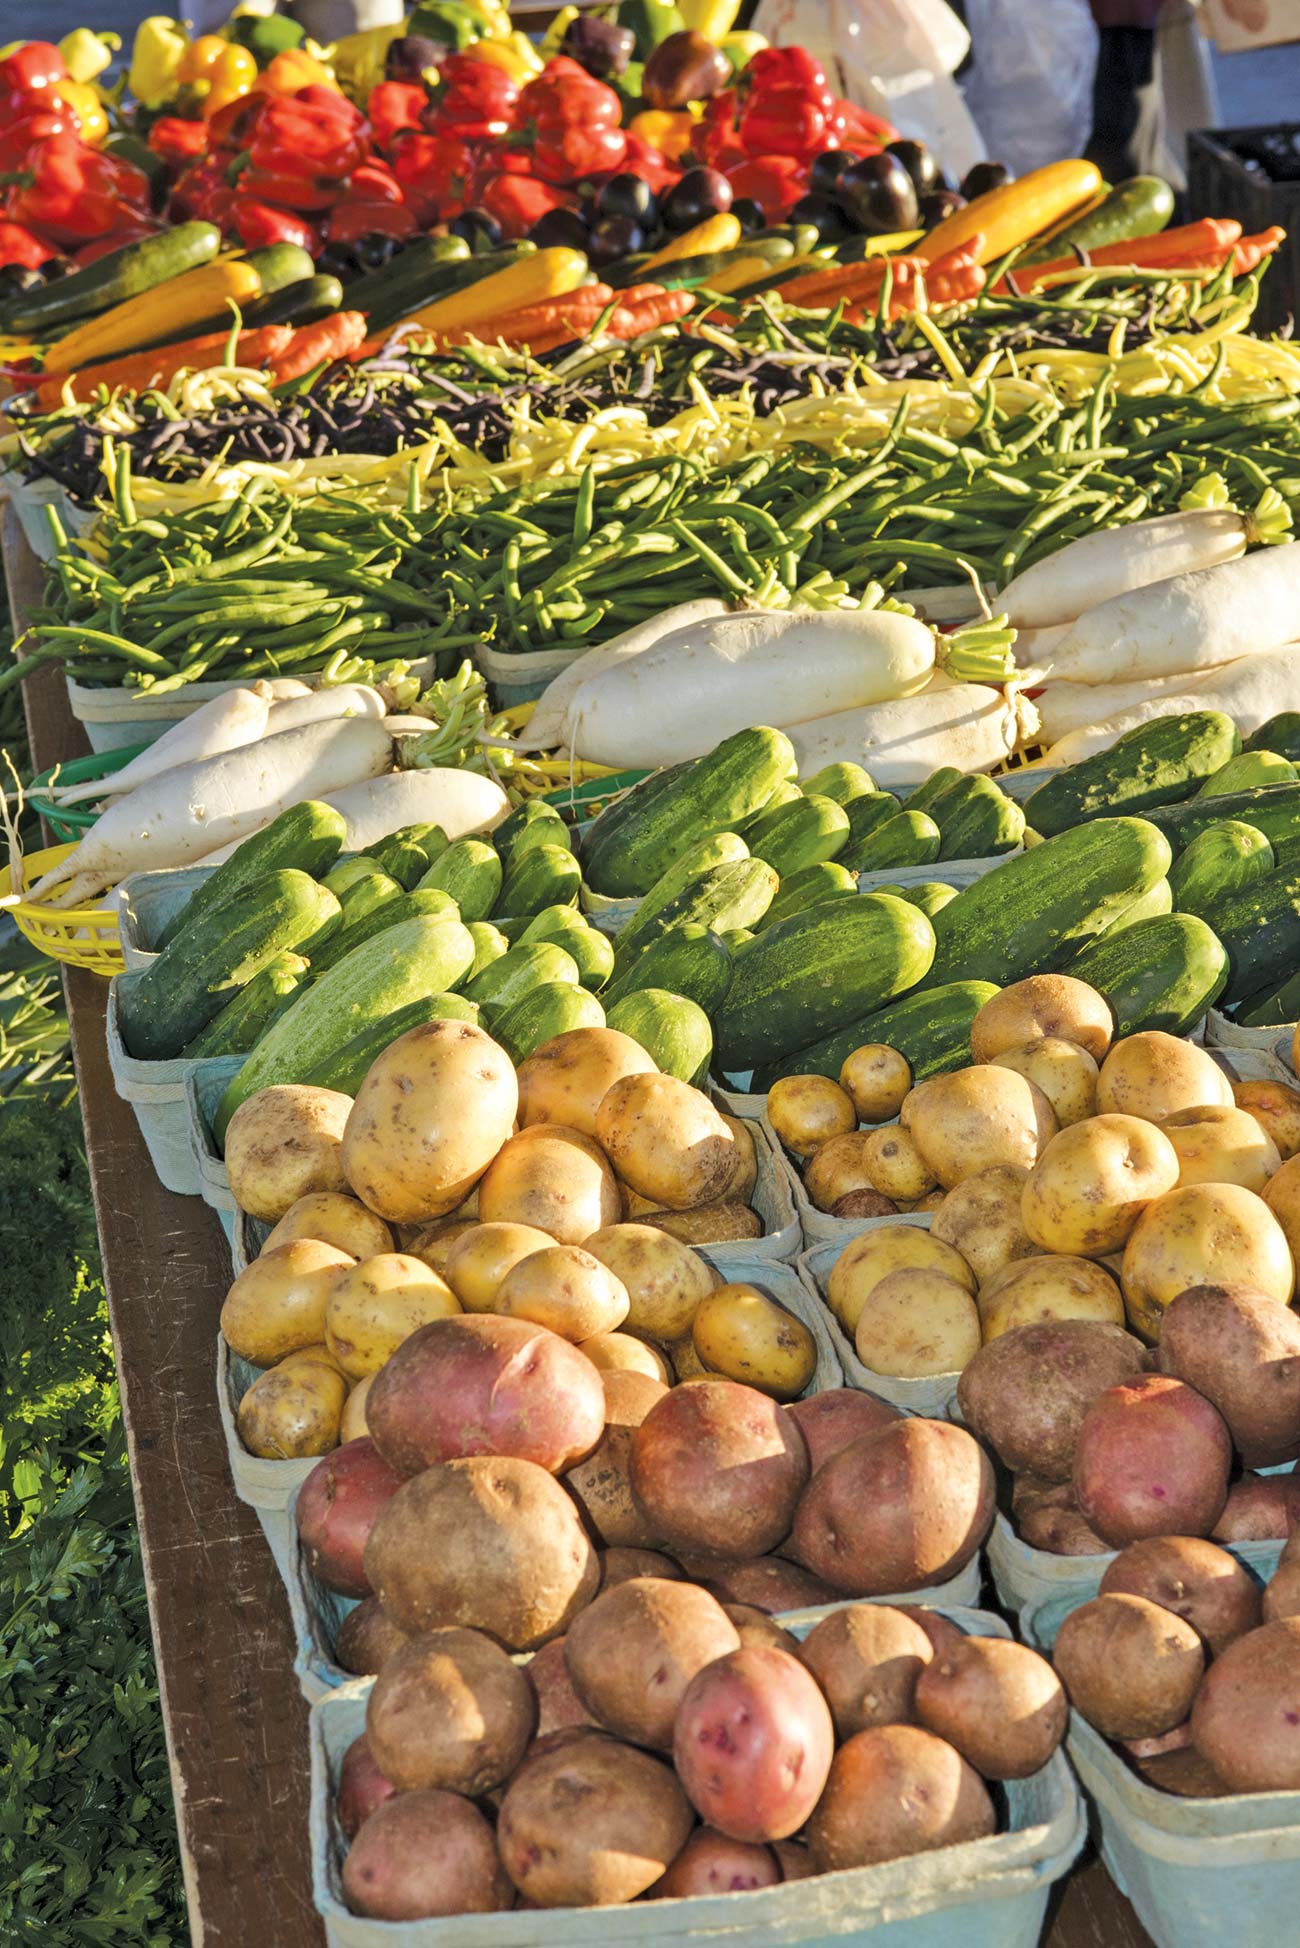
{"x": 354, "y": 1426}
{"x": 981, "y": 1219}
{"x": 740, "y": 1186}
{"x": 565, "y": 1289}
{"x": 432, "y": 1113}
{"x": 1221, "y": 1146}
{"x": 555, "y": 1180}
{"x": 318, "y": 1355}
{"x": 1055, "y": 1005}
{"x": 1066, "y": 1074}
{"x": 1153, "y": 1074}
{"x": 709, "y": 1224}
{"x": 1204, "y": 1234}
{"x": 291, "y": 1414}
{"x": 433, "y": 1243}
{"x": 865, "y": 1260}
{"x": 565, "y": 1080}
{"x": 277, "y": 1305}
{"x": 895, "y": 1166}
{"x": 1093, "y": 1182}
{"x": 875, "y": 1079}
{"x": 333, "y": 1218}
{"x": 932, "y": 1201}
{"x": 619, "y": 1352}
{"x": 1282, "y": 1195}
{"x": 481, "y": 1256}
{"x": 666, "y": 1140}
{"x": 1055, "y": 1287}
{"x": 376, "y": 1304}
{"x": 744, "y": 1335}
{"x": 687, "y": 1364}
{"x": 808, "y": 1110}
{"x": 975, "y": 1118}
{"x": 283, "y": 1143}
{"x": 663, "y": 1278}
{"x": 633, "y": 1204}
{"x": 917, "y": 1323}
{"x": 1276, "y": 1108}
{"x": 839, "y": 1167}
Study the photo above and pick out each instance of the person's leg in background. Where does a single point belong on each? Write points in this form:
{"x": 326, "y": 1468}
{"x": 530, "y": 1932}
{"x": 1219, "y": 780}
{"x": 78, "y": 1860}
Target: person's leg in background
{"x": 1127, "y": 110}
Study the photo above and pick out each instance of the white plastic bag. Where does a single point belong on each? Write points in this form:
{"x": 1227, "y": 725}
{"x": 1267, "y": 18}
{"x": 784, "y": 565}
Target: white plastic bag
{"x": 1030, "y": 88}
{"x": 893, "y": 57}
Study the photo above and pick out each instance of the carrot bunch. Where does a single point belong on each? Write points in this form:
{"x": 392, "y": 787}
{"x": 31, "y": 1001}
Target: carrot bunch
{"x": 140, "y": 370}
{"x": 1193, "y": 249}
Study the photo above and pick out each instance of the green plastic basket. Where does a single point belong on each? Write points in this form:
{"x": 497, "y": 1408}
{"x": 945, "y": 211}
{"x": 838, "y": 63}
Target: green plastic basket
{"x": 68, "y": 822}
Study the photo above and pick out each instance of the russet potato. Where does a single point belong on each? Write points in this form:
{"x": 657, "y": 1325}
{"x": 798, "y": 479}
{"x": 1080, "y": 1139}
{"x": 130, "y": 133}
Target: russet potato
{"x": 981, "y": 1219}
{"x": 740, "y": 1185}
{"x": 664, "y": 1279}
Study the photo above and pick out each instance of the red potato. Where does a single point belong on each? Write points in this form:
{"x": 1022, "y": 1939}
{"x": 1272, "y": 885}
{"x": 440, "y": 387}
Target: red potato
{"x": 632, "y": 1653}
{"x": 1027, "y": 1391}
{"x": 711, "y": 1863}
{"x": 1282, "y": 1596}
{"x": 894, "y": 1791}
{"x": 621, "y": 1565}
{"x": 1050, "y": 1520}
{"x": 1153, "y": 1458}
{"x": 1241, "y": 1349}
{"x": 753, "y": 1744}
{"x": 362, "y": 1786}
{"x": 450, "y": 1710}
{"x": 794, "y": 1860}
{"x": 867, "y": 1659}
{"x": 1178, "y": 1740}
{"x": 337, "y": 1507}
{"x": 719, "y": 1468}
{"x": 480, "y": 1385}
{"x": 1246, "y": 1719}
{"x": 424, "y": 1854}
{"x": 1131, "y": 1668}
{"x": 602, "y": 1481}
{"x": 367, "y": 1638}
{"x": 768, "y": 1583}
{"x": 591, "y": 1823}
{"x": 899, "y": 1510}
{"x": 558, "y": 1704}
{"x": 1206, "y": 1586}
{"x": 1183, "y": 1773}
{"x": 756, "y": 1629}
{"x": 1259, "y": 1508}
{"x": 998, "y": 1703}
{"x": 830, "y": 1421}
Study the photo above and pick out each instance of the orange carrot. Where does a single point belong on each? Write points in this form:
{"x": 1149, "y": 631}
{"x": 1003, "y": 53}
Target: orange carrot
{"x": 1168, "y": 248}
{"x": 157, "y": 368}
{"x": 337, "y": 336}
{"x": 630, "y": 320}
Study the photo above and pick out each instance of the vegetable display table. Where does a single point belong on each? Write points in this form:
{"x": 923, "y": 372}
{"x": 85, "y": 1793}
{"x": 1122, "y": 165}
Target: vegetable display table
{"x": 236, "y": 1725}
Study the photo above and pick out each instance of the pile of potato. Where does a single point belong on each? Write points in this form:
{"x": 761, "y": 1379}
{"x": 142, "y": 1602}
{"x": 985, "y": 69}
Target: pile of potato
{"x": 506, "y": 1193}
{"x": 669, "y": 1745}
{"x": 1190, "y": 1669}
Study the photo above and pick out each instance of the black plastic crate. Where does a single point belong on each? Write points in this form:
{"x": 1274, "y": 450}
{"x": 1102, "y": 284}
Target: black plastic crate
{"x": 1254, "y": 176}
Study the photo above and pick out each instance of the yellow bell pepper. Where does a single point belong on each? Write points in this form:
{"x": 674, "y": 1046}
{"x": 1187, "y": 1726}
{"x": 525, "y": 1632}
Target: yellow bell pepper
{"x": 497, "y": 24}
{"x": 712, "y": 18}
{"x": 85, "y": 102}
{"x": 293, "y": 70}
{"x": 741, "y": 46}
{"x": 517, "y": 57}
{"x": 218, "y": 70}
{"x": 667, "y": 129}
{"x": 86, "y": 55}
{"x": 159, "y": 47}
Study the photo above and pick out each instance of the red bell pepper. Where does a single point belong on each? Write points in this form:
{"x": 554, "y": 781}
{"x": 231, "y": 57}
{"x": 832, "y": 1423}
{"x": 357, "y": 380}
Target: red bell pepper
{"x": 374, "y": 182}
{"x": 861, "y": 126}
{"x": 29, "y": 116}
{"x": 19, "y": 245}
{"x": 783, "y": 122}
{"x": 775, "y": 183}
{"x": 647, "y": 162}
{"x": 259, "y": 224}
{"x": 128, "y": 231}
{"x": 303, "y": 193}
{"x": 71, "y": 193}
{"x": 436, "y": 174}
{"x": 564, "y": 155}
{"x": 203, "y": 191}
{"x": 788, "y": 67}
{"x": 395, "y": 105}
{"x": 518, "y": 202}
{"x": 715, "y": 141}
{"x": 33, "y": 65}
{"x": 476, "y": 102}
{"x": 298, "y": 137}
{"x": 537, "y": 95}
{"x": 178, "y": 141}
{"x": 356, "y": 217}
{"x": 231, "y": 128}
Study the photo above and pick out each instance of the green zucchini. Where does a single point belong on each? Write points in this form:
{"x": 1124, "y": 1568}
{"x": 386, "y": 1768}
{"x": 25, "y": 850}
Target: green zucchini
{"x": 1033, "y": 912}
{"x": 177, "y": 995}
{"x": 247, "y": 1017}
{"x": 404, "y": 271}
{"x": 346, "y": 1068}
{"x": 1277, "y": 1009}
{"x": 731, "y": 782}
{"x": 817, "y": 971}
{"x": 308, "y": 838}
{"x": 694, "y": 865}
{"x": 429, "y": 903}
{"x": 278, "y": 266}
{"x": 554, "y": 1009}
{"x": 1247, "y": 770}
{"x": 1223, "y": 859}
{"x": 53, "y": 308}
{"x": 737, "y": 895}
{"x": 529, "y": 965}
{"x": 471, "y": 872}
{"x": 827, "y": 880}
{"x": 803, "y": 833}
{"x": 866, "y": 816}
{"x": 1138, "y": 207}
{"x": 689, "y": 959}
{"x": 907, "y": 839}
{"x": 976, "y": 820}
{"x": 490, "y": 945}
{"x": 539, "y": 876}
{"x": 843, "y": 782}
{"x": 591, "y": 950}
{"x": 1155, "y": 764}
{"x": 930, "y": 1029}
{"x": 1280, "y": 734}
{"x": 1159, "y": 973}
{"x": 934, "y": 787}
{"x": 673, "y": 1030}
{"x": 1273, "y": 810}
{"x": 299, "y": 303}
{"x": 405, "y": 963}
{"x": 1260, "y": 929}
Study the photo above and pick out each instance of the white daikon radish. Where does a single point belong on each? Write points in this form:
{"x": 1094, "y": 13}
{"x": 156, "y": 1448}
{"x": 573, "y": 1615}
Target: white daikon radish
{"x": 548, "y": 726}
{"x": 1066, "y": 707}
{"x": 224, "y": 723}
{"x": 970, "y": 726}
{"x": 1114, "y": 561}
{"x": 180, "y": 817}
{"x": 288, "y": 686}
{"x": 331, "y": 700}
{"x": 459, "y": 801}
{"x": 1191, "y": 622}
{"x": 1250, "y": 691}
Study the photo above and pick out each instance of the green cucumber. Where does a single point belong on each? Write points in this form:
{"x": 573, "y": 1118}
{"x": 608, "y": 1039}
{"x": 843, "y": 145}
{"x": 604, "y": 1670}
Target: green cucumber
{"x": 471, "y": 872}
{"x": 533, "y": 811}
{"x": 934, "y": 787}
{"x": 695, "y": 863}
{"x": 341, "y": 878}
{"x": 736, "y": 939}
{"x": 1153, "y": 765}
{"x": 1260, "y": 929}
{"x": 1273, "y": 810}
{"x": 1157, "y": 899}
{"x": 976, "y": 820}
{"x": 827, "y": 880}
{"x": 50, "y": 309}
{"x": 539, "y": 876}
{"x": 1160, "y": 973}
{"x": 1277, "y": 1009}
{"x": 842, "y": 781}
{"x": 930, "y": 895}
{"x": 673, "y": 1030}
{"x": 490, "y": 945}
{"x": 346, "y": 1068}
{"x": 308, "y": 837}
{"x": 591, "y": 950}
{"x": 689, "y": 959}
{"x": 540, "y": 831}
{"x": 555, "y": 1009}
{"x": 1223, "y": 859}
{"x": 1033, "y": 912}
{"x": 1280, "y": 734}
{"x": 813, "y": 973}
{"x": 173, "y": 1000}
{"x": 405, "y": 963}
{"x": 907, "y": 839}
{"x": 786, "y": 793}
{"x": 429, "y": 903}
{"x": 368, "y": 891}
{"x": 247, "y": 1017}
{"x": 1138, "y": 207}
{"x": 735, "y": 895}
{"x": 529, "y": 965}
{"x": 403, "y": 857}
{"x": 1247, "y": 770}
{"x": 803, "y": 833}
{"x": 930, "y": 1030}
{"x": 866, "y": 816}
{"x": 731, "y": 782}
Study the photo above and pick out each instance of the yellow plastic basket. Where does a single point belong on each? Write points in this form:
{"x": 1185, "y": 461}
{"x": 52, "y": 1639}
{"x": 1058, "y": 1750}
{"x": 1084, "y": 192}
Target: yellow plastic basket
{"x": 84, "y": 936}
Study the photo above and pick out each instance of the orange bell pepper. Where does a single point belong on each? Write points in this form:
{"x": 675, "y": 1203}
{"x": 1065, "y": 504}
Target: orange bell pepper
{"x": 667, "y": 129}
{"x": 292, "y": 70}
